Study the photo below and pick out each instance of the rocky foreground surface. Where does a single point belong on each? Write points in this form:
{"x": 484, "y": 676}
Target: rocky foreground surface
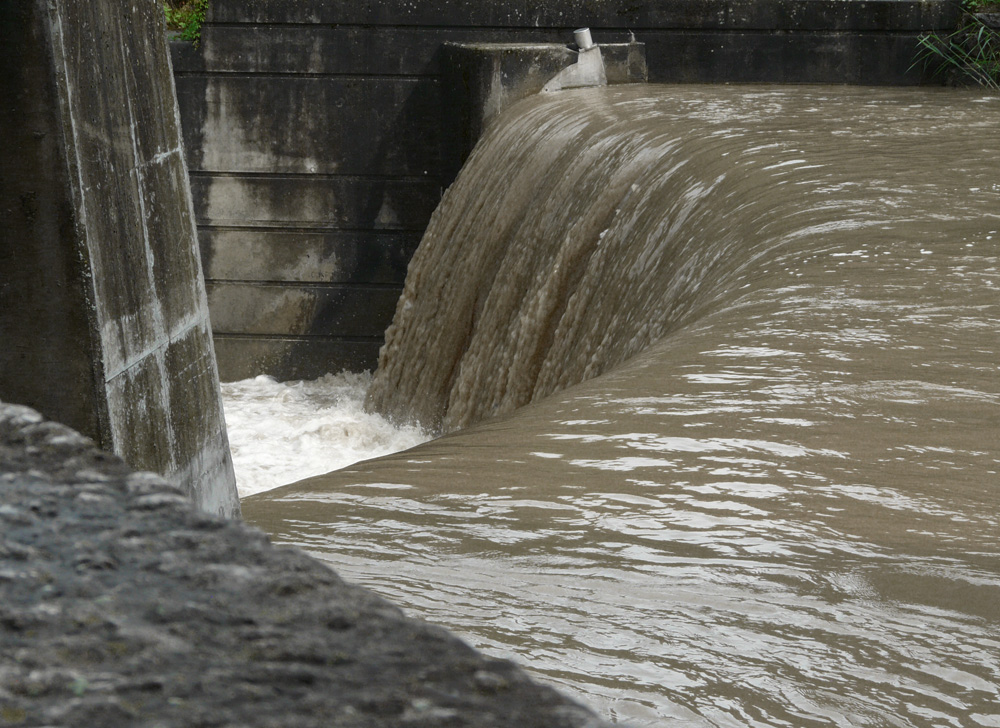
{"x": 121, "y": 605}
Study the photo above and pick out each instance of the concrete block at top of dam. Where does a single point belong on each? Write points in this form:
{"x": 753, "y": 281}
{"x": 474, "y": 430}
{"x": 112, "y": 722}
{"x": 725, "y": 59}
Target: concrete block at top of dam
{"x": 480, "y": 80}
{"x": 103, "y": 314}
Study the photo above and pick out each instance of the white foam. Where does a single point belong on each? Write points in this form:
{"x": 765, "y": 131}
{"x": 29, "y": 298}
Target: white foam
{"x": 281, "y": 432}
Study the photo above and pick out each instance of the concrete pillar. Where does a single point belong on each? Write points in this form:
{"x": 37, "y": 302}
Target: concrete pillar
{"x": 103, "y": 317}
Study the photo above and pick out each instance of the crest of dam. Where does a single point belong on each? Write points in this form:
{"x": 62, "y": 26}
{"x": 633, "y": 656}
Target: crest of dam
{"x": 780, "y": 513}
{"x": 585, "y": 226}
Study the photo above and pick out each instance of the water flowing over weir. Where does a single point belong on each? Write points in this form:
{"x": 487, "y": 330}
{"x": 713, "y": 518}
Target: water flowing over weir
{"x": 578, "y": 233}
{"x": 777, "y": 505}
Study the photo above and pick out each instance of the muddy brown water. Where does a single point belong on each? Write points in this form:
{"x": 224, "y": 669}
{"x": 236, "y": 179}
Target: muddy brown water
{"x": 774, "y": 499}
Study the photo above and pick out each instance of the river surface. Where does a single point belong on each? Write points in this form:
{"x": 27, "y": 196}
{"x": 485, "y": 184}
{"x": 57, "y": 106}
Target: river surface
{"x": 773, "y": 498}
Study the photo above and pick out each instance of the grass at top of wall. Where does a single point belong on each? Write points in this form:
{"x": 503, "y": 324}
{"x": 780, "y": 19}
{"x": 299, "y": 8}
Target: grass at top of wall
{"x": 971, "y": 53}
{"x": 185, "y": 17}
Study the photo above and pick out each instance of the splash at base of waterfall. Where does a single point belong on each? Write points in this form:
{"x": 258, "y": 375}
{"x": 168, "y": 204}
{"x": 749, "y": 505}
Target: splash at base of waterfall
{"x": 280, "y": 432}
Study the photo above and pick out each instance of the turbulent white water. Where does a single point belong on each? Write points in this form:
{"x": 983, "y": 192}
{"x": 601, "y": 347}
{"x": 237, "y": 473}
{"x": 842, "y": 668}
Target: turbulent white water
{"x": 280, "y": 432}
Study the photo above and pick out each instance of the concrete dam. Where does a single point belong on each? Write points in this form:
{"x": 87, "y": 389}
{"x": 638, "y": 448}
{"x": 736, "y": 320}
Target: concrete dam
{"x": 718, "y": 367}
{"x": 320, "y": 136}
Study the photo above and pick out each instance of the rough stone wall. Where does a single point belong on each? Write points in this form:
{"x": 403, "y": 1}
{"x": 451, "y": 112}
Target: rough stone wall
{"x": 318, "y": 146}
{"x": 103, "y": 314}
{"x": 122, "y": 605}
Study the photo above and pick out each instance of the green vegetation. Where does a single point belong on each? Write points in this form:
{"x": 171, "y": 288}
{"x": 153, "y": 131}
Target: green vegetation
{"x": 184, "y": 18}
{"x": 970, "y": 53}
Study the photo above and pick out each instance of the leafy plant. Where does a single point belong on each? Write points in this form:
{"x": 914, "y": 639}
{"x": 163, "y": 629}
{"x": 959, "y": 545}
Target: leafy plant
{"x": 982, "y": 6}
{"x": 971, "y": 52}
{"x": 185, "y": 18}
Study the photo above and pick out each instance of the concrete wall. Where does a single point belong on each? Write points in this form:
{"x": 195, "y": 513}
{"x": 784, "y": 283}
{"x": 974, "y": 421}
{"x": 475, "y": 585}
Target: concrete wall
{"x": 319, "y": 145}
{"x": 103, "y": 315}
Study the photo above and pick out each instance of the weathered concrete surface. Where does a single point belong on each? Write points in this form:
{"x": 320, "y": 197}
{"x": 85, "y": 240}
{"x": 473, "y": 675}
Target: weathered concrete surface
{"x": 880, "y": 15}
{"x": 103, "y": 314}
{"x": 990, "y": 19}
{"x": 122, "y": 605}
{"x": 319, "y": 131}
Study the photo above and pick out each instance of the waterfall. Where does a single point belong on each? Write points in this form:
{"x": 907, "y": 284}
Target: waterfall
{"x": 585, "y": 226}
{"x": 542, "y": 266}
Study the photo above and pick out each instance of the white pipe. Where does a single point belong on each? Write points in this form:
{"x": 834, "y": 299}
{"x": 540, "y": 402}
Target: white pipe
{"x": 583, "y": 40}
